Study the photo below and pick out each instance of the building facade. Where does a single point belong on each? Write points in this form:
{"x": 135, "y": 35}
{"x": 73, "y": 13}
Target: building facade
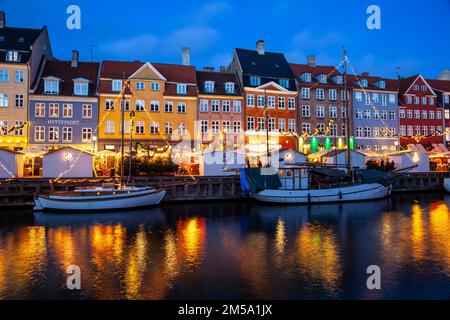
{"x": 375, "y": 118}
{"x": 22, "y": 55}
{"x": 420, "y": 118}
{"x": 442, "y": 90}
{"x": 220, "y": 109}
{"x": 163, "y": 98}
{"x": 64, "y": 105}
{"x": 270, "y": 97}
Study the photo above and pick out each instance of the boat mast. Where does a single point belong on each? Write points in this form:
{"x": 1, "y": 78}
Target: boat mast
{"x": 122, "y": 141}
{"x": 266, "y": 111}
{"x": 131, "y": 147}
{"x": 347, "y": 119}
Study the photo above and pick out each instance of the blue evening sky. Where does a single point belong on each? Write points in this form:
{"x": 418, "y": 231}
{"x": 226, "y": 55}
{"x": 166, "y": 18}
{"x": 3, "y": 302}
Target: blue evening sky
{"x": 414, "y": 35}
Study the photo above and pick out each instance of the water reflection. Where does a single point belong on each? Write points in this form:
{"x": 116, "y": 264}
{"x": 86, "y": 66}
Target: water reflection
{"x": 234, "y": 250}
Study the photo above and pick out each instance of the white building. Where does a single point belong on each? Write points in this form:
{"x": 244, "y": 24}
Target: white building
{"x": 67, "y": 162}
{"x": 339, "y": 158}
{"x": 290, "y": 157}
{"x": 11, "y": 164}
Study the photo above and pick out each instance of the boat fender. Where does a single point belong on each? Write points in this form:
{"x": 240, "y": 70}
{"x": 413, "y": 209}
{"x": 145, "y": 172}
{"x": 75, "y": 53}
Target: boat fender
{"x": 340, "y": 195}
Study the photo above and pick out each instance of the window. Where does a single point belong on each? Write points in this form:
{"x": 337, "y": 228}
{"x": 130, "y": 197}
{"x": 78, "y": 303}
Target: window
{"x": 39, "y": 133}
{"x": 155, "y": 86}
{"x": 281, "y": 103}
{"x": 250, "y": 100}
{"x": 86, "y": 134}
{"x": 237, "y": 106}
{"x": 203, "y": 105}
{"x": 12, "y": 56}
{"x": 271, "y": 124}
{"x": 306, "y": 111}
{"x": 306, "y": 77}
{"x": 236, "y": 127}
{"x": 4, "y": 75}
{"x": 53, "y": 134}
{"x": 375, "y": 97}
{"x": 333, "y": 129}
{"x": 384, "y": 114}
{"x": 261, "y": 124}
{"x": 291, "y": 103}
{"x": 432, "y": 114}
{"x": 392, "y": 98}
{"x": 19, "y": 101}
{"x": 431, "y": 101}
{"x": 432, "y": 130}
{"x": 19, "y": 76}
{"x": 51, "y": 86}
{"x": 439, "y": 128}
{"x": 305, "y": 93}
{"x": 358, "y": 113}
{"x": 53, "y": 110}
{"x": 81, "y": 88}
{"x": 416, "y": 114}
{"x": 125, "y": 128}
{"x": 86, "y": 111}
{"x": 251, "y": 123}
{"x": 401, "y": 113}
{"x": 383, "y": 100}
{"x": 343, "y": 95}
{"x": 424, "y": 100}
{"x": 322, "y": 78}
{"x": 154, "y": 106}
{"x": 417, "y": 130}
{"x": 229, "y": 87}
{"x": 320, "y": 95}
{"x": 117, "y": 85}
{"x": 140, "y": 85}
{"x": 271, "y": 102}
{"x": 168, "y": 106}
{"x": 204, "y": 126}
{"x": 344, "y": 130}
{"x": 376, "y": 132}
{"x": 39, "y": 110}
{"x": 381, "y": 84}
{"x": 358, "y": 132}
{"x": 367, "y": 113}
{"x": 67, "y": 111}
{"x": 226, "y": 126}
{"x": 367, "y": 98}
{"x": 424, "y": 88}
{"x": 154, "y": 127}
{"x": 424, "y": 130}
{"x": 140, "y": 105}
{"x": 409, "y": 114}
{"x": 261, "y": 101}
{"x": 364, "y": 83}
{"x": 402, "y": 130}
{"x": 410, "y": 131}
{"x": 447, "y": 99}
{"x": 140, "y": 127}
{"x": 367, "y": 132}
{"x": 282, "y": 124}
{"x": 18, "y": 131}
{"x": 376, "y": 114}
{"x": 110, "y": 126}
{"x": 416, "y": 88}
{"x": 125, "y": 105}
{"x": 109, "y": 104}
{"x": 306, "y": 127}
{"x": 4, "y": 127}
{"x": 358, "y": 96}
{"x": 181, "y": 88}
{"x": 291, "y": 125}
{"x": 320, "y": 112}
{"x": 338, "y": 79}
{"x": 255, "y": 81}
{"x": 416, "y": 100}
{"x": 408, "y": 99}
{"x": 181, "y": 107}
{"x": 333, "y": 112}
{"x": 209, "y": 86}
{"x": 215, "y": 105}
{"x": 215, "y": 126}
{"x": 343, "y": 112}
{"x": 226, "y": 106}
{"x": 424, "y": 114}
{"x": 67, "y": 134}
{"x": 168, "y": 128}
{"x": 284, "y": 83}
{"x": 332, "y": 94}
{"x": 391, "y": 115}
{"x": 438, "y": 115}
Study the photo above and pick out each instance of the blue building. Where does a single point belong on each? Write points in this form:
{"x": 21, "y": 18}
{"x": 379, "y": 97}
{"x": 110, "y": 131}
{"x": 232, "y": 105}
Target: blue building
{"x": 375, "y": 113}
{"x": 64, "y": 105}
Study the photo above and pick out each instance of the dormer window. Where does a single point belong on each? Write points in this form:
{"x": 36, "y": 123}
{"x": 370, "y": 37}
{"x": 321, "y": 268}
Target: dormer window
{"x": 181, "y": 88}
{"x": 306, "y": 77}
{"x": 117, "y": 85}
{"x": 209, "y": 86}
{"x": 255, "y": 81}
{"x": 51, "y": 86}
{"x": 364, "y": 83}
{"x": 322, "y": 78}
{"x": 229, "y": 87}
{"x": 382, "y": 84}
{"x": 21, "y": 40}
{"x": 81, "y": 87}
{"x": 12, "y": 56}
{"x": 284, "y": 83}
{"x": 338, "y": 79}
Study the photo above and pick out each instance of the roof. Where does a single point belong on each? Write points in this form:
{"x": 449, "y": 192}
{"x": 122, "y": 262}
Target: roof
{"x": 219, "y": 78}
{"x": 390, "y": 84}
{"x": 20, "y": 39}
{"x": 270, "y": 64}
{"x": 64, "y": 71}
{"x": 335, "y": 152}
{"x": 67, "y": 147}
{"x": 11, "y": 151}
{"x": 441, "y": 85}
{"x": 299, "y": 69}
{"x": 405, "y": 83}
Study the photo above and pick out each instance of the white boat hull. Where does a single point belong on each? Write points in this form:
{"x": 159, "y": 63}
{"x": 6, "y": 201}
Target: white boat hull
{"x": 447, "y": 185}
{"x": 118, "y": 201}
{"x": 360, "y": 192}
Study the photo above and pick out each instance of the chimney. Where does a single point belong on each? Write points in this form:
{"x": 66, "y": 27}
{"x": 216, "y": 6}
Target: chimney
{"x": 223, "y": 69}
{"x": 365, "y": 74}
{"x": 186, "y": 56}
{"x": 311, "y": 60}
{"x": 2, "y": 20}
{"x": 74, "y": 63}
{"x": 260, "y": 47}
{"x": 208, "y": 69}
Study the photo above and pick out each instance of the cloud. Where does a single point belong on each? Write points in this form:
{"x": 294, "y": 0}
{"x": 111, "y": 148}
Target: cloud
{"x": 210, "y": 11}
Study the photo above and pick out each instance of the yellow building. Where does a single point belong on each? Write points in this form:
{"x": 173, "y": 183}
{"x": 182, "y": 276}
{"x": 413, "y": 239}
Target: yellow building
{"x": 163, "y": 98}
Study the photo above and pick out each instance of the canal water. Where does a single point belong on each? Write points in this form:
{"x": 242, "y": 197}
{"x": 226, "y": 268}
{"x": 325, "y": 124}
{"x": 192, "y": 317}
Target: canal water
{"x": 234, "y": 250}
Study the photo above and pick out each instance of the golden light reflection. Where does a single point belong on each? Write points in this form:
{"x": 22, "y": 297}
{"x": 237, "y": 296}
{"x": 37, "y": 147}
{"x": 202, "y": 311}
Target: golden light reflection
{"x": 191, "y": 234}
{"x": 417, "y": 233}
{"x": 318, "y": 256}
{"x": 280, "y": 240}
{"x": 440, "y": 234}
{"x": 171, "y": 259}
{"x": 136, "y": 264}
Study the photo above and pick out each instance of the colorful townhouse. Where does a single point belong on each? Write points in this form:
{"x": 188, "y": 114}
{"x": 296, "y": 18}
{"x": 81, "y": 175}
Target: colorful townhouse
{"x": 442, "y": 90}
{"x": 220, "y": 109}
{"x": 22, "y": 55}
{"x": 420, "y": 118}
{"x": 64, "y": 105}
{"x": 375, "y": 117}
{"x": 162, "y": 97}
{"x": 321, "y": 106}
{"x": 270, "y": 97}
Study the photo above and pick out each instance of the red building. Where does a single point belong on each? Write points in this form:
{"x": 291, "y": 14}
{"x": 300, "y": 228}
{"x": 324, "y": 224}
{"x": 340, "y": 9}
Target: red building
{"x": 420, "y": 117}
{"x": 442, "y": 89}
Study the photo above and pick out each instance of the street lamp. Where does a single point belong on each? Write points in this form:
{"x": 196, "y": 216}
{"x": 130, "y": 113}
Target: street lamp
{"x": 94, "y": 140}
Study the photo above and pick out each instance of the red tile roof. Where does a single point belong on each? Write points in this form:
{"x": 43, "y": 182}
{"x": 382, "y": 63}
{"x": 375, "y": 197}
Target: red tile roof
{"x": 64, "y": 71}
{"x": 119, "y": 69}
{"x": 441, "y": 85}
{"x": 219, "y": 78}
{"x": 298, "y": 69}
